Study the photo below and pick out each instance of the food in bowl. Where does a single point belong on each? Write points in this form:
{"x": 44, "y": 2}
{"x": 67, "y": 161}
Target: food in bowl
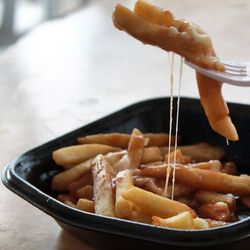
{"x": 123, "y": 176}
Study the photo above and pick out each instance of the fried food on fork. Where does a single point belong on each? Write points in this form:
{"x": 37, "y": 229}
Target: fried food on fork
{"x": 215, "y": 107}
{"x": 158, "y": 27}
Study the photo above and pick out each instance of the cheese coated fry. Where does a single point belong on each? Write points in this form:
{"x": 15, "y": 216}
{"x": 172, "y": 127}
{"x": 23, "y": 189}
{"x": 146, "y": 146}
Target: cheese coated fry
{"x": 133, "y": 158}
{"x": 103, "y": 193}
{"x": 215, "y": 107}
{"x": 216, "y": 223}
{"x": 218, "y": 211}
{"x": 123, "y": 207}
{"x": 85, "y": 192}
{"x": 211, "y": 180}
{"x": 153, "y": 14}
{"x": 61, "y": 181}
{"x": 121, "y": 140}
{"x": 135, "y": 149}
{"x": 200, "y": 223}
{"x": 86, "y": 205}
{"x": 209, "y": 165}
{"x": 179, "y": 157}
{"x": 199, "y": 152}
{"x": 151, "y": 154}
{"x": 152, "y": 25}
{"x": 86, "y": 179}
{"x": 203, "y": 179}
{"x": 183, "y": 220}
{"x": 153, "y": 204}
{"x": 159, "y": 170}
{"x": 203, "y": 196}
{"x": 138, "y": 215}
{"x": 80, "y": 153}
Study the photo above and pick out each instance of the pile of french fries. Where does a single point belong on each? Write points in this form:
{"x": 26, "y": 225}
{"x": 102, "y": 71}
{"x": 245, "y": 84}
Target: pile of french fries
{"x": 121, "y": 175}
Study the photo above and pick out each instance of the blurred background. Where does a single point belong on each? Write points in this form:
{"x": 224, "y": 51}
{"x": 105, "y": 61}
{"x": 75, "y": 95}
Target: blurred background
{"x": 19, "y": 16}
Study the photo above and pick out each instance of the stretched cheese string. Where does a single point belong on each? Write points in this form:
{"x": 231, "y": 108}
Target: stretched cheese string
{"x": 176, "y": 125}
{"x": 171, "y": 69}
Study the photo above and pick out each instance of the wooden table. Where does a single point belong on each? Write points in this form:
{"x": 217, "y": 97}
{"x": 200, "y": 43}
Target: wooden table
{"x": 71, "y": 71}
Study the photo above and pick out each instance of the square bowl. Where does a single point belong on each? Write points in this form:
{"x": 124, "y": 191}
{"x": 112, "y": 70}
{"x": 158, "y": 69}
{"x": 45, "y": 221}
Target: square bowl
{"x": 30, "y": 174}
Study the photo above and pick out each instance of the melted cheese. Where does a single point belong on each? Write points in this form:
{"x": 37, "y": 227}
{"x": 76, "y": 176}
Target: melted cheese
{"x": 177, "y": 125}
{"x": 169, "y": 164}
{"x": 171, "y": 70}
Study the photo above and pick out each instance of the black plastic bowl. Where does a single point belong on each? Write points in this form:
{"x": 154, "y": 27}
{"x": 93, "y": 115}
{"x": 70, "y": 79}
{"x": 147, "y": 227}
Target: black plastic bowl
{"x": 30, "y": 175}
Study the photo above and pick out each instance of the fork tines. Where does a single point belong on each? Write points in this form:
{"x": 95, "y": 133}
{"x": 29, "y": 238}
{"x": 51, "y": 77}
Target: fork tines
{"x": 235, "y": 69}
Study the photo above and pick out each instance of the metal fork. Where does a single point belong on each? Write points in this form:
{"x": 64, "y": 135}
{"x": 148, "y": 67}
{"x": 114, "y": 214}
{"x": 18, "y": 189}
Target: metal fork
{"x": 236, "y": 73}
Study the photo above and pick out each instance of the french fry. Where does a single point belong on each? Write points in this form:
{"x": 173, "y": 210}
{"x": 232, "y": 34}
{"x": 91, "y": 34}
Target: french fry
{"x": 216, "y": 223}
{"x": 203, "y": 179}
{"x": 113, "y": 139}
{"x": 123, "y": 207}
{"x": 151, "y": 154}
{"x": 188, "y": 200}
{"x": 70, "y": 204}
{"x": 121, "y": 140}
{"x": 132, "y": 159}
{"x": 139, "y": 216}
{"x": 71, "y": 178}
{"x": 159, "y": 139}
{"x": 67, "y": 198}
{"x": 111, "y": 157}
{"x": 85, "y": 192}
{"x": 158, "y": 169}
{"x": 183, "y": 220}
{"x": 199, "y": 152}
{"x": 86, "y": 179}
{"x": 85, "y": 164}
{"x": 213, "y": 165}
{"x": 61, "y": 181}
{"x": 122, "y": 164}
{"x": 200, "y": 223}
{"x": 103, "y": 193}
{"x": 135, "y": 149}
{"x": 203, "y": 196}
{"x": 148, "y": 183}
{"x": 153, "y": 14}
{"x": 153, "y": 204}
{"x": 179, "y": 157}
{"x": 86, "y": 205}
{"x": 214, "y": 181}
{"x": 80, "y": 153}
{"x": 203, "y": 152}
{"x": 215, "y": 106}
{"x": 216, "y": 211}
{"x": 180, "y": 190}
{"x": 114, "y": 157}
